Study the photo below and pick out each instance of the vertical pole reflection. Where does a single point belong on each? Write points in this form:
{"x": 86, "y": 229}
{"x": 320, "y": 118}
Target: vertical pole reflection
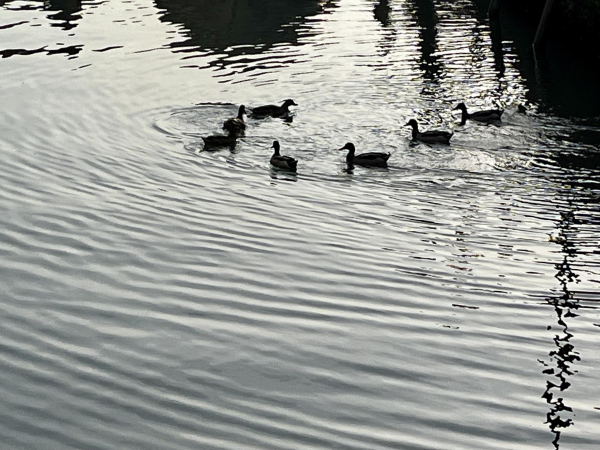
{"x": 564, "y": 354}
{"x": 67, "y": 12}
{"x": 496, "y": 37}
{"x": 427, "y": 20}
{"x": 381, "y": 11}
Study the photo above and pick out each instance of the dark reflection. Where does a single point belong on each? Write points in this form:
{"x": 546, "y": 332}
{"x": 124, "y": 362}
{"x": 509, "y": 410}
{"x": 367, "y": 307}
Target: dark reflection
{"x": 579, "y": 149}
{"x": 240, "y": 27}
{"x": 497, "y": 49}
{"x": 558, "y": 79}
{"x": 563, "y": 355}
{"x": 66, "y": 12}
{"x": 70, "y": 50}
{"x": 479, "y": 48}
{"x": 11, "y": 25}
{"x": 427, "y": 20}
{"x": 381, "y": 11}
{"x": 282, "y": 175}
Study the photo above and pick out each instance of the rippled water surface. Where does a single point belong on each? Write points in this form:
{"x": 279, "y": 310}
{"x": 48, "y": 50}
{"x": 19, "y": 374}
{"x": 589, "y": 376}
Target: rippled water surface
{"x": 159, "y": 296}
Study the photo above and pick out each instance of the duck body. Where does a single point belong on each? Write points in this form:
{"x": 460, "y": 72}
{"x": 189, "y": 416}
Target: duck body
{"x": 236, "y": 124}
{"x": 372, "y": 159}
{"x": 429, "y": 137}
{"x": 273, "y": 110}
{"x": 487, "y": 116}
{"x": 281, "y": 161}
{"x": 217, "y": 141}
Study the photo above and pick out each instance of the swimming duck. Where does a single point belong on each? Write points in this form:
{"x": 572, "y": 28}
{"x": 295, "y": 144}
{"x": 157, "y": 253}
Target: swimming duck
{"x": 373, "y": 159}
{"x": 487, "y": 116}
{"x": 236, "y": 124}
{"x": 273, "y": 110}
{"x": 282, "y": 162}
{"x": 219, "y": 140}
{"x": 430, "y": 137}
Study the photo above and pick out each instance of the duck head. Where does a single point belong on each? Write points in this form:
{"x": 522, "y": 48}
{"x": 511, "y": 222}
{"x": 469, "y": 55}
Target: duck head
{"x": 276, "y": 147}
{"x": 289, "y": 102}
{"x": 460, "y": 106}
{"x": 413, "y": 123}
{"x": 349, "y": 146}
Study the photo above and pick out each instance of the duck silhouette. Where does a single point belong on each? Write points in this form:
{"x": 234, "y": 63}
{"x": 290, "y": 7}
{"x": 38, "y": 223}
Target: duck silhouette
{"x": 430, "y": 137}
{"x": 218, "y": 140}
{"x": 373, "y": 159}
{"x": 273, "y": 110}
{"x": 236, "y": 124}
{"x": 281, "y": 161}
{"x": 487, "y": 116}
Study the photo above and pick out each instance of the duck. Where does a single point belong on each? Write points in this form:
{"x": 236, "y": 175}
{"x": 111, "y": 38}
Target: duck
{"x": 274, "y": 110}
{"x": 430, "y": 137}
{"x": 236, "y": 124}
{"x": 219, "y": 140}
{"x": 373, "y": 159}
{"x": 282, "y": 162}
{"x": 487, "y": 116}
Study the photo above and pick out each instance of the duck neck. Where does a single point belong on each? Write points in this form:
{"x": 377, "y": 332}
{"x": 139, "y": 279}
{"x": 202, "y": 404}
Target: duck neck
{"x": 464, "y": 116}
{"x": 350, "y": 157}
{"x": 415, "y": 131}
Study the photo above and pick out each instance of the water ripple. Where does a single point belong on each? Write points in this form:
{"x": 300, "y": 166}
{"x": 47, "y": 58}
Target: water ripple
{"x": 156, "y": 295}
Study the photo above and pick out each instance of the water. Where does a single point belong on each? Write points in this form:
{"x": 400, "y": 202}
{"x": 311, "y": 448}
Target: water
{"x": 158, "y": 296}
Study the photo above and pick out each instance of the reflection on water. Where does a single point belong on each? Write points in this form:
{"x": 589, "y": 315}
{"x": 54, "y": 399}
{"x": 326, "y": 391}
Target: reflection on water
{"x": 382, "y": 11}
{"x": 427, "y": 21}
{"x": 564, "y": 355}
{"x": 156, "y": 294}
{"x": 67, "y": 12}
{"x": 557, "y": 80}
{"x": 235, "y": 30}
{"x": 578, "y": 200}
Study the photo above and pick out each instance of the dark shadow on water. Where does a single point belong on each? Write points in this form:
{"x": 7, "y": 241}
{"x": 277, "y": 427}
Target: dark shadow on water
{"x": 559, "y": 80}
{"x": 382, "y": 11}
{"x": 282, "y": 175}
{"x": 66, "y": 12}
{"x": 578, "y": 206}
{"x": 240, "y": 27}
{"x": 427, "y": 20}
{"x": 563, "y": 355}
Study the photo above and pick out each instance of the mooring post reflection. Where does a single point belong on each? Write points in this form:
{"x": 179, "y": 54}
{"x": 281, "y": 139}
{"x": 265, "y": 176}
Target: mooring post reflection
{"x": 564, "y": 355}
{"x": 67, "y": 12}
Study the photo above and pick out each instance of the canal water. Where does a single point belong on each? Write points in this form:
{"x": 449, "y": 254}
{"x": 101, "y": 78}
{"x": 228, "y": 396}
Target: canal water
{"x": 155, "y": 295}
